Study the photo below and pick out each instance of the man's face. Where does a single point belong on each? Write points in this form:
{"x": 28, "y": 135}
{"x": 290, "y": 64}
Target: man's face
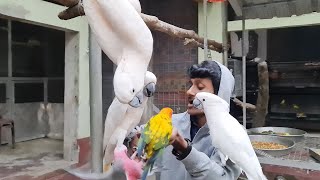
{"x": 198, "y": 85}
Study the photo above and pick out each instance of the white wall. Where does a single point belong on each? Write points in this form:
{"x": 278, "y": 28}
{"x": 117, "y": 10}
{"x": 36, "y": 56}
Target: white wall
{"x": 77, "y": 121}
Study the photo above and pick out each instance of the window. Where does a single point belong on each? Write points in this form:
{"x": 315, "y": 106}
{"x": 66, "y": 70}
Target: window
{"x": 56, "y": 91}
{"x": 3, "y": 48}
{"x": 28, "y": 92}
{"x": 2, "y": 93}
{"x": 37, "y": 51}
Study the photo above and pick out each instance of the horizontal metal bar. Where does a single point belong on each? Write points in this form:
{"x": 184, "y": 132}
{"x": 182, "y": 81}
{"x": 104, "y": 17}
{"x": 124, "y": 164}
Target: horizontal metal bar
{"x": 4, "y": 28}
{"x": 252, "y": 5}
{"x": 28, "y": 44}
{"x": 30, "y": 78}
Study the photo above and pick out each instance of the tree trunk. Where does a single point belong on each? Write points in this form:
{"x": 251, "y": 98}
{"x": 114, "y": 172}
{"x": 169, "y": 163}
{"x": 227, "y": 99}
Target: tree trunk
{"x": 259, "y": 117}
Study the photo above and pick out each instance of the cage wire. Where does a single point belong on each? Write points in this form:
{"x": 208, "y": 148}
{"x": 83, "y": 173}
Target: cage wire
{"x": 170, "y": 64}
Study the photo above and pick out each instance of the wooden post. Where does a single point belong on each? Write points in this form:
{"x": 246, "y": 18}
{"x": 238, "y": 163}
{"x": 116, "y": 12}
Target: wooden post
{"x": 259, "y": 117}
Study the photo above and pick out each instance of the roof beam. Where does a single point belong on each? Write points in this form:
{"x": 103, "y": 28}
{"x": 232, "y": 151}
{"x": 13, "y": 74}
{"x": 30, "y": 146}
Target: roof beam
{"x": 267, "y": 3}
{"x": 274, "y": 23}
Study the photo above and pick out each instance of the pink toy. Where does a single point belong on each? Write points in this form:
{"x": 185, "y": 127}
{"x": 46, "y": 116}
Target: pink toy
{"x": 132, "y": 168}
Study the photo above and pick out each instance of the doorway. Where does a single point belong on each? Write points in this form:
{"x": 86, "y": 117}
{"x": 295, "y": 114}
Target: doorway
{"x": 32, "y": 81}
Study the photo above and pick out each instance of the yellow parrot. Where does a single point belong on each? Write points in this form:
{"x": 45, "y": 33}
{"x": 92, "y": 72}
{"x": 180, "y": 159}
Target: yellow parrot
{"x": 155, "y": 137}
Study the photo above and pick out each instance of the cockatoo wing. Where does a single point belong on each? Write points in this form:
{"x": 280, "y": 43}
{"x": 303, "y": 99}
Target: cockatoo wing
{"x": 115, "y": 115}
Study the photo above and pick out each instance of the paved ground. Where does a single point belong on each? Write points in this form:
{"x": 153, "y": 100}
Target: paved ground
{"x": 31, "y": 159}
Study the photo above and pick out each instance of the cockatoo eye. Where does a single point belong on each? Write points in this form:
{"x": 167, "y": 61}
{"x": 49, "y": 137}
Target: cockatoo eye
{"x": 133, "y": 90}
{"x": 203, "y": 99}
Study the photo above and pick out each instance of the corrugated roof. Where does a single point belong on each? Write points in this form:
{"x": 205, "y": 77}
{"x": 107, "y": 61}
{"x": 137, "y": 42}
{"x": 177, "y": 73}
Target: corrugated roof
{"x": 278, "y": 8}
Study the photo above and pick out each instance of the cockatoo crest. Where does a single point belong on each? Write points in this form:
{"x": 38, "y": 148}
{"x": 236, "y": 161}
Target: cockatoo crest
{"x": 150, "y": 81}
{"x": 128, "y": 89}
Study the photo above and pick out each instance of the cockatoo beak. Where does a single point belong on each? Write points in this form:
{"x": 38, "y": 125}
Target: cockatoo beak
{"x": 137, "y": 100}
{"x": 149, "y": 89}
{"x": 197, "y": 103}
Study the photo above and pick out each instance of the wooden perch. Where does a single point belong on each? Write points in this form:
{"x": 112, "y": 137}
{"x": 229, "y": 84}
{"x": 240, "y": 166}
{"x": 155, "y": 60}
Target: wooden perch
{"x": 72, "y": 12}
{"x": 248, "y": 106}
{"x": 190, "y": 37}
{"x": 155, "y": 24}
{"x": 68, "y": 3}
{"x": 193, "y": 43}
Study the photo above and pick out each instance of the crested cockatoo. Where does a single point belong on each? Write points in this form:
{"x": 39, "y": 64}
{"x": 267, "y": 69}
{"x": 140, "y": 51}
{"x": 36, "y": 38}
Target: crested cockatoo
{"x": 228, "y": 135}
{"x": 122, "y": 118}
{"x": 126, "y": 40}
{"x": 155, "y": 137}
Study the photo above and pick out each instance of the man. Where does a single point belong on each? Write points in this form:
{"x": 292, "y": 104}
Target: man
{"x": 192, "y": 155}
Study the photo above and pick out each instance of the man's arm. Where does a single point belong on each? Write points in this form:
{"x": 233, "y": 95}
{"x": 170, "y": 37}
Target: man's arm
{"x": 200, "y": 166}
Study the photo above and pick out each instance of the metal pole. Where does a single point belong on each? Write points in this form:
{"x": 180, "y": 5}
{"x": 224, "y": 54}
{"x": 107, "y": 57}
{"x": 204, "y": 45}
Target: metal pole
{"x": 225, "y": 32}
{"x": 96, "y": 123}
{"x": 10, "y": 83}
{"x": 205, "y": 38}
{"x": 244, "y": 97}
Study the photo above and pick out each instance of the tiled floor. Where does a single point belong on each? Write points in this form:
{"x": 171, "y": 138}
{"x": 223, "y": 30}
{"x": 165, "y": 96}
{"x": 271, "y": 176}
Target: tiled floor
{"x": 31, "y": 159}
{"x": 41, "y": 159}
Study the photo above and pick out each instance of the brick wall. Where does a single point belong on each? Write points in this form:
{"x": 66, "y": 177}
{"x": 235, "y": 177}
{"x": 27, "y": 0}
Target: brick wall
{"x": 170, "y": 57}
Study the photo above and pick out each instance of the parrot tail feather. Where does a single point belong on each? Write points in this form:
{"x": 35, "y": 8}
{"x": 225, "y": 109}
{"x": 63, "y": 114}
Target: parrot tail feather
{"x": 155, "y": 157}
{"x": 145, "y": 172}
{"x": 141, "y": 146}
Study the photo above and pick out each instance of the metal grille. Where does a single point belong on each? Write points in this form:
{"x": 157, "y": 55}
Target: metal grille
{"x": 170, "y": 63}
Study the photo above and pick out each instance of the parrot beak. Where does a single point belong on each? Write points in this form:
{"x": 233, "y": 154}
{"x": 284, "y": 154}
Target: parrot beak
{"x": 137, "y": 100}
{"x": 197, "y": 103}
{"x": 149, "y": 89}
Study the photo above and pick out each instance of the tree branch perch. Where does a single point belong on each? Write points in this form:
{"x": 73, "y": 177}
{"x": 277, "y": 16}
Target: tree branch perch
{"x": 190, "y": 37}
{"x": 248, "y": 106}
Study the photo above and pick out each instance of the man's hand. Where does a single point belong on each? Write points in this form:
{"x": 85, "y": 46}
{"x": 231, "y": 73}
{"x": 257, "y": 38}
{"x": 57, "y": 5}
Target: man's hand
{"x": 177, "y": 141}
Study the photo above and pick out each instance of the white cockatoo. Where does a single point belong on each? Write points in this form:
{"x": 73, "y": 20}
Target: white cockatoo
{"x": 122, "y": 118}
{"x": 126, "y": 40}
{"x": 228, "y": 135}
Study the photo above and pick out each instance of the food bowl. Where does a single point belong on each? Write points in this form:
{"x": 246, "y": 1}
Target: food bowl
{"x": 296, "y": 135}
{"x": 273, "y": 139}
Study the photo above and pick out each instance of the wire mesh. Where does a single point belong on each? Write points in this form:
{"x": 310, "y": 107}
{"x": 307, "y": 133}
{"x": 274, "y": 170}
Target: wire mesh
{"x": 170, "y": 63}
